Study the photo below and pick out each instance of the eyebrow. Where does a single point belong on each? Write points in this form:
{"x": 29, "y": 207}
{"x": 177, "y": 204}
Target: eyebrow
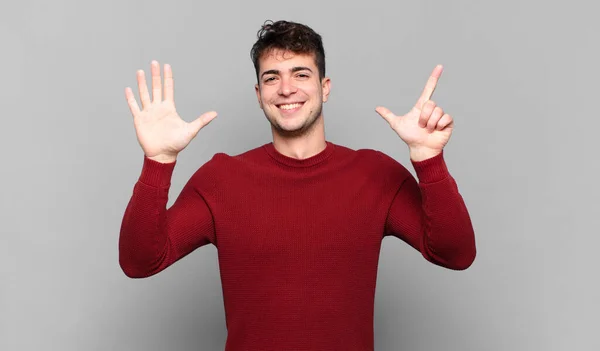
{"x": 292, "y": 70}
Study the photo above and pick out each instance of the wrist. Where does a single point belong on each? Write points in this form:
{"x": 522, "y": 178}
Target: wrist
{"x": 163, "y": 158}
{"x": 155, "y": 173}
{"x": 418, "y": 154}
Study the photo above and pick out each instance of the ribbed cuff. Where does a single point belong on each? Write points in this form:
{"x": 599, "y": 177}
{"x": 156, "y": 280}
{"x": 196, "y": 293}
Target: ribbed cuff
{"x": 432, "y": 169}
{"x": 155, "y": 173}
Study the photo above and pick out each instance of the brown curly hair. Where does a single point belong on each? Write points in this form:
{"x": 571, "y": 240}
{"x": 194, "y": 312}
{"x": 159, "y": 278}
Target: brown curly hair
{"x": 290, "y": 36}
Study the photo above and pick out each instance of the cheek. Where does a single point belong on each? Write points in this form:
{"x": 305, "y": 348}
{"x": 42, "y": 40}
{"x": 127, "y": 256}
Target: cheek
{"x": 268, "y": 98}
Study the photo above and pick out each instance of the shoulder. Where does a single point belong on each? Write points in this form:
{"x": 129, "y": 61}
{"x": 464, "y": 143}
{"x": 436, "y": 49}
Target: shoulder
{"x": 374, "y": 162}
{"x": 381, "y": 161}
{"x": 221, "y": 160}
{"x": 222, "y": 166}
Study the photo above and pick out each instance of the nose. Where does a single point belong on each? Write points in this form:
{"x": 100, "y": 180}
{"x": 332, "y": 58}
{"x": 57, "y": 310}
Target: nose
{"x": 286, "y": 87}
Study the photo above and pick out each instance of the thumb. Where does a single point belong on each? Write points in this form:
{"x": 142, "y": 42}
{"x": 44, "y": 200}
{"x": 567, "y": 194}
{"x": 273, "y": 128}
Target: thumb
{"x": 386, "y": 114}
{"x": 202, "y": 121}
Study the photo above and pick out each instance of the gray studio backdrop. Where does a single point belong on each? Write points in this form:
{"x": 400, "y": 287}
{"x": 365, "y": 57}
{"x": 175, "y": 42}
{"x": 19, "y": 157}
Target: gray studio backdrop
{"x": 520, "y": 79}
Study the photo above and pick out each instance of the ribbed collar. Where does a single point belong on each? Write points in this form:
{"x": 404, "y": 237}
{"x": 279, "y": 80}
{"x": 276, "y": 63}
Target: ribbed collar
{"x": 293, "y": 162}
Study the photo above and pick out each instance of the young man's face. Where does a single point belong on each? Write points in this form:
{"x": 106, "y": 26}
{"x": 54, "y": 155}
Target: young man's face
{"x": 290, "y": 92}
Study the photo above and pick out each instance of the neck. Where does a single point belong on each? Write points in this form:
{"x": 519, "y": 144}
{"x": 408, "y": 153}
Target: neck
{"x": 302, "y": 146}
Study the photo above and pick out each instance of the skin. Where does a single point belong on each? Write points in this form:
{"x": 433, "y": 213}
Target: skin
{"x": 284, "y": 78}
{"x": 426, "y": 128}
{"x": 162, "y": 133}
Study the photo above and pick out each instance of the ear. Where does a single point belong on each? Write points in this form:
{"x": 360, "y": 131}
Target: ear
{"x": 326, "y": 87}
{"x": 257, "y": 90}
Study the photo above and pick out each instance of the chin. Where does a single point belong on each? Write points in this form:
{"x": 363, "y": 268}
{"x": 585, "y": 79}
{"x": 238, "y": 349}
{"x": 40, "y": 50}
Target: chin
{"x": 292, "y": 125}
{"x": 288, "y": 131}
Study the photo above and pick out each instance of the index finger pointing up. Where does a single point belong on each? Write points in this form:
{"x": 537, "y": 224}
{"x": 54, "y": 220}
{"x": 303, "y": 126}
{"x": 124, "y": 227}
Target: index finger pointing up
{"x": 430, "y": 86}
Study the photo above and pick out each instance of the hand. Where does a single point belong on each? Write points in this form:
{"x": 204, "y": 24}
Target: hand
{"x": 426, "y": 129}
{"x": 162, "y": 134}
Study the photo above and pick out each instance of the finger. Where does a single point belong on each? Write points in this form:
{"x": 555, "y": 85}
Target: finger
{"x": 133, "y": 105}
{"x": 444, "y": 122}
{"x": 143, "y": 88}
{"x": 156, "y": 83}
{"x": 169, "y": 95}
{"x": 385, "y": 113}
{"x": 430, "y": 86}
{"x": 426, "y": 113}
{"x": 434, "y": 119}
{"x": 202, "y": 121}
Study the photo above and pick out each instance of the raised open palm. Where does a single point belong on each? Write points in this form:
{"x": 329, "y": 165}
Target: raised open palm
{"x": 161, "y": 132}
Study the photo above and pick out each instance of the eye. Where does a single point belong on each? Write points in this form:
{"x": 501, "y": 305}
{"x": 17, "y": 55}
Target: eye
{"x": 303, "y": 75}
{"x": 269, "y": 79}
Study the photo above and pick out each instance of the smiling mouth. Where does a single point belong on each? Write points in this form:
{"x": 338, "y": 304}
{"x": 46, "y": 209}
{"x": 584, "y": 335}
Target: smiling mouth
{"x": 290, "y": 107}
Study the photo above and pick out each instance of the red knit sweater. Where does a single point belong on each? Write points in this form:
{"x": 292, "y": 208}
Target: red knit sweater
{"x": 298, "y": 241}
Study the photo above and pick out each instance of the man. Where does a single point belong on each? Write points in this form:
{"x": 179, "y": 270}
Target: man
{"x": 298, "y": 222}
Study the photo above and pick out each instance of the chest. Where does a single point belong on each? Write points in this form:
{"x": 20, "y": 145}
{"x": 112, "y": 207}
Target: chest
{"x": 308, "y": 220}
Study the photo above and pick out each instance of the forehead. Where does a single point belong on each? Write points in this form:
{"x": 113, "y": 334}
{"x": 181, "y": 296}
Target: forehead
{"x": 282, "y": 59}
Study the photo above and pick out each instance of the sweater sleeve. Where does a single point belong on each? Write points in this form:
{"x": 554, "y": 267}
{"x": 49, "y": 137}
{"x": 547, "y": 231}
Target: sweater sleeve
{"x": 153, "y": 237}
{"x": 431, "y": 216}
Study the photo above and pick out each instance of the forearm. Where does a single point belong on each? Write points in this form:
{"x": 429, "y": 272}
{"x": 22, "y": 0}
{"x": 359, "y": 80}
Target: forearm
{"x": 448, "y": 236}
{"x": 430, "y": 215}
{"x": 143, "y": 236}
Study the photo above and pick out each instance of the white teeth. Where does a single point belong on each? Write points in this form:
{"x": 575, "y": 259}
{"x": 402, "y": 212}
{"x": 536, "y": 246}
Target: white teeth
{"x": 289, "y": 106}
